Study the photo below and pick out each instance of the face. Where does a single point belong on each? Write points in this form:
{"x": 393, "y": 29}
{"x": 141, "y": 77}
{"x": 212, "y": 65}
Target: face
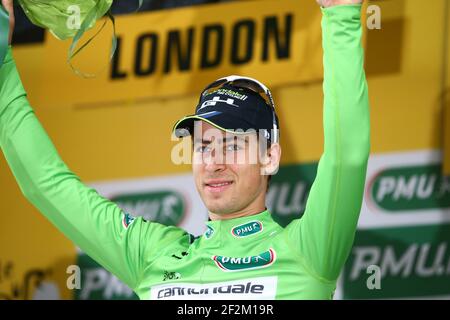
{"x": 227, "y": 175}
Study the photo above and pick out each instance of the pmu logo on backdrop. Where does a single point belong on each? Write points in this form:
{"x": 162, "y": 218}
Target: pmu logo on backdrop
{"x": 205, "y": 47}
{"x": 167, "y": 207}
{"x": 413, "y": 261}
{"x": 410, "y": 188}
{"x": 289, "y": 191}
{"x": 99, "y": 284}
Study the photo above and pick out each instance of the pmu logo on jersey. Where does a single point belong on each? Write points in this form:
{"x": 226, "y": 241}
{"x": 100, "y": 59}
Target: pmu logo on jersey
{"x": 247, "y": 229}
{"x": 127, "y": 220}
{"x": 410, "y": 188}
{"x": 262, "y": 260}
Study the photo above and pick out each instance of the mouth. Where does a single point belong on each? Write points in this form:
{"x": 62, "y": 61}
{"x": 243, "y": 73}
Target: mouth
{"x": 217, "y": 186}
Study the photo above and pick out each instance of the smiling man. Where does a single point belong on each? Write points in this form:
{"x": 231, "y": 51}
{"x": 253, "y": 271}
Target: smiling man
{"x": 222, "y": 183}
{"x": 244, "y": 253}
{"x": 235, "y": 146}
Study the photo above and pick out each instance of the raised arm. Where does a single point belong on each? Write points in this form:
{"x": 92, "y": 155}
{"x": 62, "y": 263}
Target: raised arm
{"x": 325, "y": 233}
{"x": 98, "y": 226}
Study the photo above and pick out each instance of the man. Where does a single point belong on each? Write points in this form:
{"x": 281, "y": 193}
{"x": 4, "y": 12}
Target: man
{"x": 243, "y": 254}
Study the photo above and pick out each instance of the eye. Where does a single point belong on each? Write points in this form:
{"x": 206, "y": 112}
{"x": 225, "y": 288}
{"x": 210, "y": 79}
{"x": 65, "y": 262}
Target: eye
{"x": 203, "y": 149}
{"x": 233, "y": 147}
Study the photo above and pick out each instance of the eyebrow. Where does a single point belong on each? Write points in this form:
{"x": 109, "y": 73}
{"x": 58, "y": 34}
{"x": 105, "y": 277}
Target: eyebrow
{"x": 226, "y": 139}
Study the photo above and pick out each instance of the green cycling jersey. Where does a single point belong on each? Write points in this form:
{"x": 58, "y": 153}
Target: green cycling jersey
{"x": 245, "y": 258}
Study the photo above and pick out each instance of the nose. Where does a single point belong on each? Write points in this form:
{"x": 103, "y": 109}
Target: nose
{"x": 214, "y": 161}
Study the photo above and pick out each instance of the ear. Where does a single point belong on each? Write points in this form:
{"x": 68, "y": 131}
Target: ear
{"x": 272, "y": 162}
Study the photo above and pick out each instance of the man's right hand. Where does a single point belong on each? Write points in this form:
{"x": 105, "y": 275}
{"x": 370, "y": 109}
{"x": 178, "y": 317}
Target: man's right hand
{"x": 8, "y": 5}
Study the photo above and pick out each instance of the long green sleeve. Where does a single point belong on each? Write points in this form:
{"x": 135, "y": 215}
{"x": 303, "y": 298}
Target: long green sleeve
{"x": 98, "y": 226}
{"x": 325, "y": 233}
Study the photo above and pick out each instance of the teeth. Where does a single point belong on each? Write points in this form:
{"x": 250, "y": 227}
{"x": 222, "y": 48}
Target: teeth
{"x": 219, "y": 184}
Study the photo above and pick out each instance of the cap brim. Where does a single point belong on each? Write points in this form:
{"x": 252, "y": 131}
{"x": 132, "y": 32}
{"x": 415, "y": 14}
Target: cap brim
{"x": 185, "y": 126}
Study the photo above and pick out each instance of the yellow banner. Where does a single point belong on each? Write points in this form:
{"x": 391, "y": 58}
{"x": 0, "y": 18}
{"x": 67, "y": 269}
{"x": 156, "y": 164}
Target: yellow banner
{"x": 177, "y": 52}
